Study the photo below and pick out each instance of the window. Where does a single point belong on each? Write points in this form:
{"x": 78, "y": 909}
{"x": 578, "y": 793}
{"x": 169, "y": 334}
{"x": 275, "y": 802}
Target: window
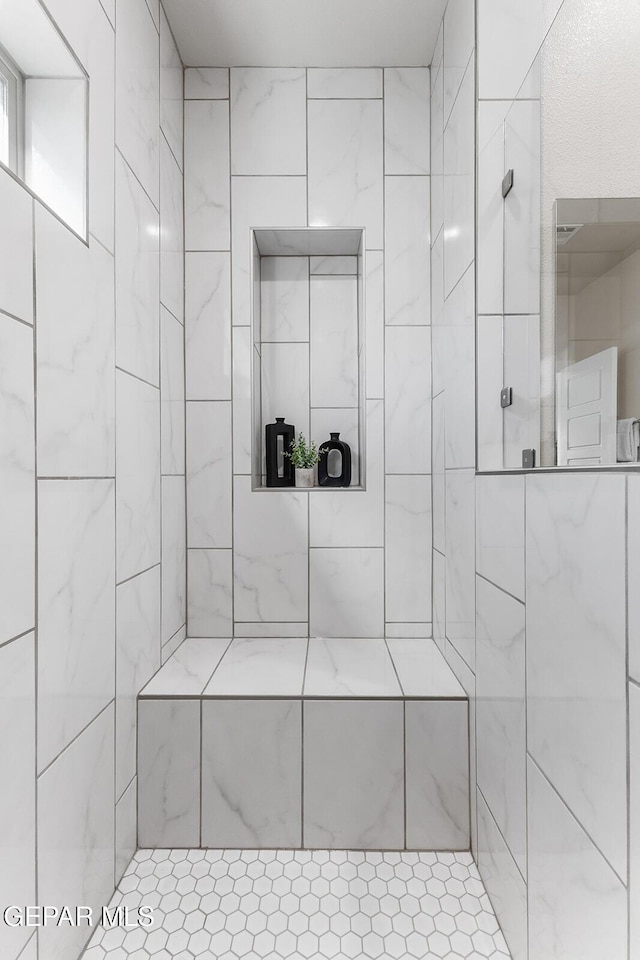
{"x": 11, "y": 101}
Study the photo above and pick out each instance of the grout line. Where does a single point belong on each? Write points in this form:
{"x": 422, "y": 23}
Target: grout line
{"x": 504, "y": 840}
{"x": 497, "y": 586}
{"x": 77, "y": 737}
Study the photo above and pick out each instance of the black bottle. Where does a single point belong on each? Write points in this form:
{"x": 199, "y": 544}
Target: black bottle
{"x": 343, "y": 479}
{"x": 278, "y": 437}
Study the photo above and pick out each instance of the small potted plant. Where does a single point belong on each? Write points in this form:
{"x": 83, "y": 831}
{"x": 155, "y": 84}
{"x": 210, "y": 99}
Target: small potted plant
{"x": 304, "y": 456}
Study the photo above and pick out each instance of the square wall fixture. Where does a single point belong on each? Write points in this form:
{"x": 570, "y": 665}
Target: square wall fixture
{"x": 307, "y": 335}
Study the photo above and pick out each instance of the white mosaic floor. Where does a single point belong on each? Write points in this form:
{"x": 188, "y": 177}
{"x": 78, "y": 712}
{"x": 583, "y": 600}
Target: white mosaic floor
{"x": 232, "y": 904}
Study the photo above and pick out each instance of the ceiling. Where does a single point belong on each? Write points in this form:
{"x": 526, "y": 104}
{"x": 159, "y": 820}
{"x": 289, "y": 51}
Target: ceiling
{"x": 594, "y": 250}
{"x": 312, "y": 33}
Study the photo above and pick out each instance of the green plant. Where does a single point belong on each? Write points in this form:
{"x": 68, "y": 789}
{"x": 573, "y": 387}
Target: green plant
{"x": 303, "y": 455}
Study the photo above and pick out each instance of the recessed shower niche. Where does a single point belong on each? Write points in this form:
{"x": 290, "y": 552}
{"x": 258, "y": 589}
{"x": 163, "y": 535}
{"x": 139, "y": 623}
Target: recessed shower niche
{"x": 307, "y": 332}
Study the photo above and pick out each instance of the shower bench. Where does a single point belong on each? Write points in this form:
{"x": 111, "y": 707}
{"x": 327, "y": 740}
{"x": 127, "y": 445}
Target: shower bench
{"x": 296, "y": 743}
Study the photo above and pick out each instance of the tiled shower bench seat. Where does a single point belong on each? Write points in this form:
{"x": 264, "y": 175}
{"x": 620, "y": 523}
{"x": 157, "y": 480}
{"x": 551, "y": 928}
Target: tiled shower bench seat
{"x": 289, "y": 743}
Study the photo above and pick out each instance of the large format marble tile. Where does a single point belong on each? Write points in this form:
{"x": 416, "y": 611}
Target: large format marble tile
{"x": 75, "y": 343}
{"x": 172, "y": 409}
{"x": 407, "y": 251}
{"x": 206, "y": 175}
{"x": 509, "y": 37}
{"x": 251, "y": 773}
{"x": 209, "y": 477}
{"x": 576, "y": 715}
{"x": 521, "y": 366}
{"x": 208, "y": 326}
{"x": 504, "y": 883}
{"x": 18, "y": 795}
{"x": 408, "y": 548}
{"x": 459, "y": 183}
{"x": 170, "y": 646}
{"x": 270, "y": 561}
{"x": 334, "y": 341}
{"x": 268, "y": 121}
{"x": 422, "y": 670}
{"x": 17, "y": 468}
{"x": 491, "y": 169}
{"x": 346, "y": 592}
{"x": 137, "y": 475}
{"x": 501, "y": 713}
{"x": 439, "y": 591}
{"x": 437, "y": 151}
{"x": 407, "y": 399}
{"x": 76, "y": 834}
{"x": 210, "y": 593}
{"x": 339, "y": 667}
{"x": 137, "y": 659}
{"x": 16, "y": 249}
{"x": 500, "y": 532}
{"x": 437, "y": 775}
{"x": 437, "y": 471}
{"x": 344, "y": 83}
{"x": 171, "y": 233}
{"x": 459, "y": 40}
{"x": 345, "y": 166}
{"x": 522, "y": 210}
{"x": 577, "y": 904}
{"x": 126, "y": 827}
{"x": 260, "y": 667}
{"x": 189, "y": 670}
{"x": 169, "y": 773}
{"x": 137, "y": 265}
{"x": 174, "y": 556}
{"x": 634, "y": 817}
{"x": 171, "y": 91}
{"x": 206, "y": 83}
{"x": 284, "y": 299}
{"x": 460, "y": 563}
{"x": 353, "y": 774}
{"x": 406, "y": 120}
{"x": 468, "y": 682}
{"x": 284, "y": 373}
{"x": 633, "y": 573}
{"x": 76, "y": 604}
{"x": 138, "y": 92}
{"x": 374, "y": 333}
{"x": 460, "y": 399}
{"x": 244, "y": 458}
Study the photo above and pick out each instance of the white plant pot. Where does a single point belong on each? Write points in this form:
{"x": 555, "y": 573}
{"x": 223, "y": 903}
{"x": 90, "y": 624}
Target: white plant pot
{"x": 305, "y": 478}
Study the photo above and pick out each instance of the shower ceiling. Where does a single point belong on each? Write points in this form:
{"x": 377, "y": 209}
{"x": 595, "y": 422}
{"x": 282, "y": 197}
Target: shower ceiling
{"x": 327, "y": 33}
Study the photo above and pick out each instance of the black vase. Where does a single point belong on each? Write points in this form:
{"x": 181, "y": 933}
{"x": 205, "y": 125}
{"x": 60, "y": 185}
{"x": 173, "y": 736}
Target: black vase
{"x": 334, "y": 449}
{"x": 278, "y": 437}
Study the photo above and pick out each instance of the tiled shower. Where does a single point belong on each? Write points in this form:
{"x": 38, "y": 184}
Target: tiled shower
{"x": 128, "y": 521}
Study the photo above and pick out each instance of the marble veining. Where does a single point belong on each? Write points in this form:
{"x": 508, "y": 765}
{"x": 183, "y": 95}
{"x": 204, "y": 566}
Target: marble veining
{"x": 258, "y": 666}
{"x": 188, "y": 671}
{"x": 339, "y": 667}
{"x": 268, "y": 121}
{"x": 210, "y": 599}
{"x": 422, "y": 670}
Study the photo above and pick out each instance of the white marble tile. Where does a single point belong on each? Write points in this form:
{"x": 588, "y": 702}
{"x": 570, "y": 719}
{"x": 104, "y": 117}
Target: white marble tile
{"x": 210, "y": 593}
{"x": 416, "y": 631}
{"x": 634, "y": 817}
{"x": 270, "y": 560}
{"x": 126, "y": 828}
{"x": 345, "y": 166}
{"x": 576, "y": 718}
{"x": 407, "y": 251}
{"x": 170, "y": 646}
{"x": 75, "y": 342}
{"x": 285, "y": 385}
{"x": 174, "y": 556}
{"x": 459, "y": 184}
{"x": 491, "y": 170}
{"x": 374, "y": 332}
{"x": 406, "y": 120}
{"x": 490, "y": 377}
{"x": 349, "y": 667}
{"x": 460, "y": 568}
{"x": 345, "y": 421}
{"x": 208, "y": 326}
{"x": 137, "y": 475}
{"x": 331, "y": 265}
{"x": 505, "y": 885}
{"x": 353, "y": 775}
{"x": 500, "y": 532}
{"x": 437, "y": 298}
{"x": 422, "y": 670}
{"x": 459, "y": 40}
{"x": 437, "y": 152}
{"x": 438, "y": 50}
{"x": 633, "y": 573}
{"x": 17, "y": 468}
{"x": 278, "y": 630}
{"x": 188, "y": 670}
{"x": 407, "y": 395}
{"x": 18, "y": 795}
{"x": 172, "y": 410}
{"x": 334, "y": 341}
{"x": 137, "y": 659}
{"x": 521, "y": 339}
{"x": 154, "y": 10}
{"x": 439, "y": 593}
{"x": 260, "y": 667}
{"x": 209, "y": 509}
{"x": 437, "y": 478}
{"x": 76, "y": 608}
{"x": 509, "y": 37}
{"x": 344, "y": 83}
{"x": 251, "y": 773}
{"x": 468, "y": 681}
{"x": 260, "y": 202}
{"x": 346, "y": 592}
{"x": 206, "y": 83}
{"x": 408, "y": 548}
{"x": 99, "y": 43}
{"x": 76, "y": 833}
{"x": 268, "y": 121}
{"x": 16, "y": 249}
{"x": 437, "y": 775}
{"x": 501, "y": 713}
{"x": 171, "y": 91}
{"x": 242, "y": 397}
{"x": 169, "y": 773}
{"x": 522, "y": 209}
{"x": 206, "y": 175}
{"x": 137, "y": 265}
{"x": 577, "y": 905}
{"x": 171, "y": 233}
{"x": 138, "y": 92}
{"x": 284, "y": 298}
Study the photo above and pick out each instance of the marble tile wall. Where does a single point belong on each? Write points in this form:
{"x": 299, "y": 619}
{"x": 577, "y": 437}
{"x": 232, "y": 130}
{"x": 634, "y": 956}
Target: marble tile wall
{"x": 294, "y": 147}
{"x": 92, "y": 458}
